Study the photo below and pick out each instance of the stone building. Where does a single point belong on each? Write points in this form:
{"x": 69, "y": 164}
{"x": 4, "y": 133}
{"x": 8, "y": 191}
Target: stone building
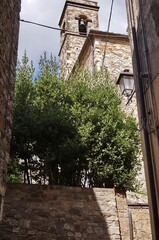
{"x": 56, "y": 212}
{"x": 111, "y": 50}
{"x": 75, "y": 13}
{"x": 9, "y": 28}
{"x": 82, "y": 42}
{"x": 143, "y": 22}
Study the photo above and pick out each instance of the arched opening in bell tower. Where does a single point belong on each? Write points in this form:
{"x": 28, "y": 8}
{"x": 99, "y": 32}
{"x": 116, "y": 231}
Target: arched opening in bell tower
{"x": 82, "y": 24}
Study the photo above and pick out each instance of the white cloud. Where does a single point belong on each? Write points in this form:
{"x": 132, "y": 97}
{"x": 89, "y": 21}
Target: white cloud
{"x": 36, "y": 39}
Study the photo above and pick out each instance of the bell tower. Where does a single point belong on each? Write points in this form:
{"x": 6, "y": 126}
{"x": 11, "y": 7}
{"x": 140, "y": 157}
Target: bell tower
{"x": 78, "y": 17}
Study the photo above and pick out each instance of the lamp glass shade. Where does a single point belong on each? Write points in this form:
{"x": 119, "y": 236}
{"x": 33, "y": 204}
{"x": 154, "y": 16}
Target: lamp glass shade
{"x": 126, "y": 83}
{"x": 129, "y": 84}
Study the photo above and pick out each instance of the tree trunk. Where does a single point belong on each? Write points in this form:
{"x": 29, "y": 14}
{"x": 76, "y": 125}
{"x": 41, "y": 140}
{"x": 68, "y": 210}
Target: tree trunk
{"x": 26, "y": 170}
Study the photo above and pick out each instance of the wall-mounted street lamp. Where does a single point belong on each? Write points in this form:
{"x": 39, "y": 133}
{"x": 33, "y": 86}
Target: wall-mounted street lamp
{"x": 126, "y": 83}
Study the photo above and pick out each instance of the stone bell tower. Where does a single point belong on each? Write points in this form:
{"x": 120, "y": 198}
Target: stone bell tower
{"x": 78, "y": 17}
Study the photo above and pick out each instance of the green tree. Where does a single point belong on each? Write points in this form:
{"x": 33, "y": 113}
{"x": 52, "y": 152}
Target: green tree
{"x": 23, "y": 121}
{"x": 73, "y": 132}
{"x": 57, "y": 136}
{"x": 14, "y": 171}
{"x": 109, "y": 135}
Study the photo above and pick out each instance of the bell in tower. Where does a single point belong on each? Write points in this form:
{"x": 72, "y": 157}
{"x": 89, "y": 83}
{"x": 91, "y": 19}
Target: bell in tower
{"x": 82, "y": 26}
{"x": 77, "y": 19}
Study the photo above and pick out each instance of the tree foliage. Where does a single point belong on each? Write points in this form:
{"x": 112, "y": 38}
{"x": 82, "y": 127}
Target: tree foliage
{"x": 72, "y": 132}
{"x": 23, "y": 121}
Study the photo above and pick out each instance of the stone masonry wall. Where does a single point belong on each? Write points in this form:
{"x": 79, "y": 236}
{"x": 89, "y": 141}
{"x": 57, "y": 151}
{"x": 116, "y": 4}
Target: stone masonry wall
{"x": 139, "y": 214}
{"x": 69, "y": 52}
{"x": 72, "y": 43}
{"x": 34, "y": 212}
{"x": 76, "y": 11}
{"x": 9, "y": 28}
{"x": 93, "y": 3}
{"x": 71, "y": 12}
{"x": 141, "y": 222}
{"x": 117, "y": 57}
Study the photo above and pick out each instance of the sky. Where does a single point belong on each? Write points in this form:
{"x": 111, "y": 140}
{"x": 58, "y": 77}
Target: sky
{"x": 37, "y": 39}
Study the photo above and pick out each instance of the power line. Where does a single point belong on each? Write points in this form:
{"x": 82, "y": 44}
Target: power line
{"x": 105, "y": 34}
{"x": 108, "y": 28}
{"x": 110, "y": 16}
{"x": 46, "y": 26}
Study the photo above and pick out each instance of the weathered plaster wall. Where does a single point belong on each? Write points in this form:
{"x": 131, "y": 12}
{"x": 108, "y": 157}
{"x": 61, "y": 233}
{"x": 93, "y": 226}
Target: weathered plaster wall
{"x": 34, "y": 212}
{"x": 9, "y": 28}
{"x": 151, "y": 19}
{"x": 144, "y": 35}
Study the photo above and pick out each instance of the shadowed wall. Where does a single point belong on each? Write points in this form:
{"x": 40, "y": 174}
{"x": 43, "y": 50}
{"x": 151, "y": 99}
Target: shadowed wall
{"x": 36, "y": 212}
{"x": 9, "y": 29}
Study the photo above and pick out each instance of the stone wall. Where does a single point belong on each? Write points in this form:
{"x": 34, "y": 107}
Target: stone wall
{"x": 139, "y": 216}
{"x": 9, "y": 28}
{"x": 34, "y": 212}
{"x": 113, "y": 51}
{"x": 73, "y": 9}
{"x": 113, "y": 48}
{"x": 93, "y": 3}
{"x": 117, "y": 57}
{"x": 140, "y": 222}
{"x": 72, "y": 42}
{"x": 69, "y": 52}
